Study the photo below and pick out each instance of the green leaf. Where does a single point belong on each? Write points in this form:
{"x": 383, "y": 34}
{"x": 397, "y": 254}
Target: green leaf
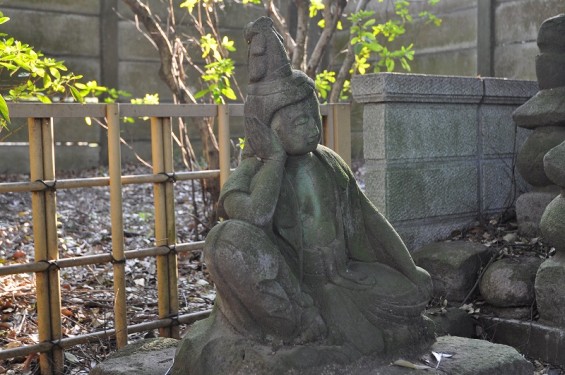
{"x": 43, "y": 99}
{"x": 229, "y": 93}
{"x": 76, "y": 94}
{"x": 201, "y": 93}
{"x": 4, "y": 110}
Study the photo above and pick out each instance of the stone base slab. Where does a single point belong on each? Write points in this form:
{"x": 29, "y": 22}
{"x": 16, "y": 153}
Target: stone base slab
{"x": 469, "y": 357}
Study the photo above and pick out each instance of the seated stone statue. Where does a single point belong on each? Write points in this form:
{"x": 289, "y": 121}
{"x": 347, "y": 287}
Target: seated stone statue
{"x": 308, "y": 272}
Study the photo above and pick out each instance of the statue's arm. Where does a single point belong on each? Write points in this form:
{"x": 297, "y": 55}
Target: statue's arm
{"x": 255, "y": 199}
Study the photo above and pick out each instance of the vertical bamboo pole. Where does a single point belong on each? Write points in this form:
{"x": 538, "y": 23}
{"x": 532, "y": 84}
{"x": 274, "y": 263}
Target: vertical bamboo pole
{"x": 42, "y": 167}
{"x": 224, "y": 142}
{"x": 171, "y": 230}
{"x": 341, "y": 118}
{"x": 167, "y": 273}
{"x": 116, "y": 217}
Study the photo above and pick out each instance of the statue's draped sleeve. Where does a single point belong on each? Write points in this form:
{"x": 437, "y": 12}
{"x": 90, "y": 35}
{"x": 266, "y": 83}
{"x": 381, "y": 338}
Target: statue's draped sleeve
{"x": 369, "y": 235}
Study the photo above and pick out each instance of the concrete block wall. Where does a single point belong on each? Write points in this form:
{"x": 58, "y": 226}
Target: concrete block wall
{"x": 439, "y": 150}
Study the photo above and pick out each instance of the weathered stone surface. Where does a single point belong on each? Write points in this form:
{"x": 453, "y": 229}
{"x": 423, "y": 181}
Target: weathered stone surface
{"x": 530, "y": 207}
{"x": 534, "y": 339}
{"x": 497, "y": 187}
{"x": 526, "y": 312}
{"x": 423, "y": 135}
{"x": 549, "y": 70}
{"x": 453, "y": 322}
{"x": 551, "y": 275}
{"x": 147, "y": 357}
{"x": 416, "y": 190}
{"x": 553, "y": 224}
{"x": 530, "y": 158}
{"x": 550, "y": 294}
{"x": 554, "y": 164}
{"x": 421, "y": 232}
{"x": 509, "y": 282}
{"x": 546, "y": 108}
{"x": 374, "y": 88}
{"x": 550, "y": 35}
{"x": 480, "y": 357}
{"x": 454, "y": 266}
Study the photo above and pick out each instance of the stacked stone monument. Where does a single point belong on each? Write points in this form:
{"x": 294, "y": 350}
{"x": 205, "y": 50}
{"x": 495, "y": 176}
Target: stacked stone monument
{"x": 545, "y": 115}
{"x": 550, "y": 277}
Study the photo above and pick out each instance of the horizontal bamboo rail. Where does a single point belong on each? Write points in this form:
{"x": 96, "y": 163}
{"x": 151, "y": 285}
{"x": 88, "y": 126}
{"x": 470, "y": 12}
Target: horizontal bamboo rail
{"x": 76, "y": 183}
{"x": 43, "y": 185}
{"x": 106, "y": 334}
{"x": 99, "y": 258}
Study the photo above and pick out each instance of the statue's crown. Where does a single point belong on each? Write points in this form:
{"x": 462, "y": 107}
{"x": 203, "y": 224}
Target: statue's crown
{"x": 273, "y": 84}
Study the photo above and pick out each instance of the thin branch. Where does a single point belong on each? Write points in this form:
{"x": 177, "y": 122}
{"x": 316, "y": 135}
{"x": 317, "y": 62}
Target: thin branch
{"x": 345, "y": 69}
{"x": 333, "y": 10}
{"x": 302, "y": 26}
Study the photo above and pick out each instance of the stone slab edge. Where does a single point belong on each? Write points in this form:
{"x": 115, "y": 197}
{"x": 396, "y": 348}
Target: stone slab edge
{"x": 398, "y": 87}
{"x": 533, "y": 339}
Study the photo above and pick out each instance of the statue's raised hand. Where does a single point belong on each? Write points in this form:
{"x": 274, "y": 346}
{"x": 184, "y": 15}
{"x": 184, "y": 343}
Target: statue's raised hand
{"x": 264, "y": 142}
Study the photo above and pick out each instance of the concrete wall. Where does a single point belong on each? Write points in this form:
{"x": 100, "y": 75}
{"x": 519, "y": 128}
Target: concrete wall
{"x": 494, "y": 38}
{"x": 439, "y": 150}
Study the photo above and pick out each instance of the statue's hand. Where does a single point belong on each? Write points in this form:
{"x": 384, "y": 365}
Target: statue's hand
{"x": 263, "y": 140}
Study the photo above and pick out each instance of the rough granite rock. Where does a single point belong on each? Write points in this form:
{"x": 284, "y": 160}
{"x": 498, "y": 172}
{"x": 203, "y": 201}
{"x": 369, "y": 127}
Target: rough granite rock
{"x": 509, "y": 282}
{"x": 551, "y": 275}
{"x": 454, "y": 266}
{"x": 530, "y": 207}
{"x": 530, "y": 158}
{"x": 550, "y": 35}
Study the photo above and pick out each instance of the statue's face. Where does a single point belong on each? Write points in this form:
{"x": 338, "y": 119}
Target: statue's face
{"x": 299, "y": 126}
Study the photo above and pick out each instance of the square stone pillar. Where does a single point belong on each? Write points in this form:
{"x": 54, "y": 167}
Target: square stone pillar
{"x": 439, "y": 150}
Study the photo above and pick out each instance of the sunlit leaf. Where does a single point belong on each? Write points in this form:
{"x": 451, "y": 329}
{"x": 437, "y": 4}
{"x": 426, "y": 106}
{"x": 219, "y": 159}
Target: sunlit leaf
{"x": 4, "y": 109}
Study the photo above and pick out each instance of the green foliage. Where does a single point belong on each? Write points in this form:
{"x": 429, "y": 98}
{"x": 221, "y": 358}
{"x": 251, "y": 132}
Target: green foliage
{"x": 219, "y": 71}
{"x": 219, "y": 67}
{"x": 324, "y": 81}
{"x": 27, "y": 75}
{"x": 371, "y": 42}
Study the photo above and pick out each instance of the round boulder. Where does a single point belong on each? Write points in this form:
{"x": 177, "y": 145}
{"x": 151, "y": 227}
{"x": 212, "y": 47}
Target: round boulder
{"x": 509, "y": 282}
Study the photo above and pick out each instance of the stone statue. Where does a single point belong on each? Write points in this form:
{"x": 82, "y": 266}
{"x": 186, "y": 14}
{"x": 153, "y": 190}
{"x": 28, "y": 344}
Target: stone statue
{"x": 308, "y": 273}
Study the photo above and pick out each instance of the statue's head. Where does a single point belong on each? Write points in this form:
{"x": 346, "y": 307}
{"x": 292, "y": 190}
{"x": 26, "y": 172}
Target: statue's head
{"x": 278, "y": 96}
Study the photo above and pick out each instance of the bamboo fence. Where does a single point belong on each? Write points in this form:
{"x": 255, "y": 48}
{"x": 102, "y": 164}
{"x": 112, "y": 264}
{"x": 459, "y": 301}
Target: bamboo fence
{"x": 43, "y": 184}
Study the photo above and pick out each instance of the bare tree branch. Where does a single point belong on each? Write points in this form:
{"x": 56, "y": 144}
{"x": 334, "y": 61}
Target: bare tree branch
{"x": 344, "y": 71}
{"x": 172, "y": 72}
{"x": 333, "y": 9}
{"x": 302, "y": 26}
